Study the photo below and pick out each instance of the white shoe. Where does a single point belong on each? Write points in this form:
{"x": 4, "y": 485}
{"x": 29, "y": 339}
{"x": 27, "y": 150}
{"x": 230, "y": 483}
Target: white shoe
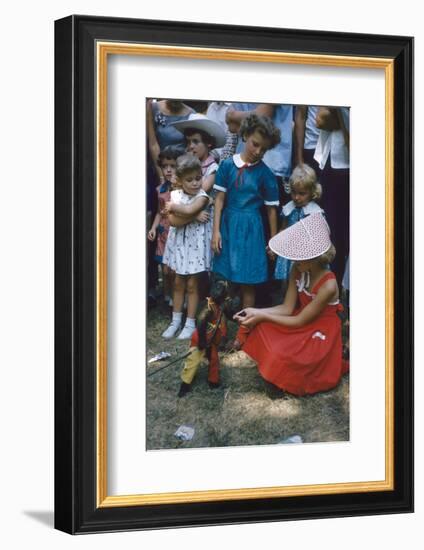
{"x": 186, "y": 333}
{"x": 172, "y": 330}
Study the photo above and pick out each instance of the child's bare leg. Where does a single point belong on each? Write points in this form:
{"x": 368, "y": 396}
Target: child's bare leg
{"x": 192, "y": 303}
{"x": 168, "y": 277}
{"x": 179, "y": 291}
{"x": 192, "y": 296}
{"x": 178, "y": 297}
{"x": 248, "y": 295}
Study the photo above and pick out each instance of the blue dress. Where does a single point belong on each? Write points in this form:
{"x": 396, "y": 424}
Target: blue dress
{"x": 292, "y": 214}
{"x": 243, "y": 256}
{"x": 166, "y": 133}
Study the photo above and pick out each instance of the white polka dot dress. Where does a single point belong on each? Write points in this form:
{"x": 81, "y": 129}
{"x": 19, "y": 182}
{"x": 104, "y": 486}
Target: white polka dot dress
{"x": 188, "y": 248}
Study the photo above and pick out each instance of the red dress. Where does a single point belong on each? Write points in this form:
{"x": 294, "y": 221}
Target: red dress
{"x": 301, "y": 360}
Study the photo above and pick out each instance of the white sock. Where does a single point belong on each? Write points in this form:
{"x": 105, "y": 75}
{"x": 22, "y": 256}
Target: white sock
{"x": 177, "y": 317}
{"x": 190, "y": 322}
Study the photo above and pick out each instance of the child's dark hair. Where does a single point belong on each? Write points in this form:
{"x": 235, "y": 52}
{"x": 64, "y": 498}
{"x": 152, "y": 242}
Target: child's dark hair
{"x": 207, "y": 139}
{"x": 169, "y": 152}
{"x": 263, "y": 125}
{"x": 187, "y": 163}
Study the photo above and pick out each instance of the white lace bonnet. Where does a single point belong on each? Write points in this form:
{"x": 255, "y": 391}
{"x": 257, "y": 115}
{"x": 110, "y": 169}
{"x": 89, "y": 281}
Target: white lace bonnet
{"x": 305, "y": 240}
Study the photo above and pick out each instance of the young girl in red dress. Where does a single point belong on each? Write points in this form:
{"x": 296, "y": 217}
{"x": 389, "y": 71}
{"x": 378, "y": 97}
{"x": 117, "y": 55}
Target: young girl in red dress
{"x": 298, "y": 345}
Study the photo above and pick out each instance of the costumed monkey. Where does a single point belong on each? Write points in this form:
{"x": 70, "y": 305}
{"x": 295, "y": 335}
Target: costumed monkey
{"x": 211, "y": 327}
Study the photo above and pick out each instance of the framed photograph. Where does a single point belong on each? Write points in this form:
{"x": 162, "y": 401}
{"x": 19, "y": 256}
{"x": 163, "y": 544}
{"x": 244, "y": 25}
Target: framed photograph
{"x": 234, "y": 274}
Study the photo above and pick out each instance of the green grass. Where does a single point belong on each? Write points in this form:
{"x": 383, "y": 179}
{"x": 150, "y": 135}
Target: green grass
{"x": 245, "y": 410}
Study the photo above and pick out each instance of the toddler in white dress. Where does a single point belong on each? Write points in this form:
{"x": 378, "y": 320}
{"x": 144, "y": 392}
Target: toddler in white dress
{"x": 188, "y": 247}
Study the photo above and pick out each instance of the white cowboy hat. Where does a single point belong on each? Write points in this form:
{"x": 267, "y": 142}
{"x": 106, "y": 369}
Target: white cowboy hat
{"x": 201, "y": 122}
{"x": 304, "y": 240}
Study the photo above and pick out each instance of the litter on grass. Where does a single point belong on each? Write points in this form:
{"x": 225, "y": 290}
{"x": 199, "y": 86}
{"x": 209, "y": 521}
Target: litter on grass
{"x": 291, "y": 439}
{"x": 159, "y": 357}
{"x": 184, "y": 433}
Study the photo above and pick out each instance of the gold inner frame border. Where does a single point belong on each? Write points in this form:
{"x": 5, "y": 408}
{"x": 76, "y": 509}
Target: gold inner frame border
{"x": 103, "y": 50}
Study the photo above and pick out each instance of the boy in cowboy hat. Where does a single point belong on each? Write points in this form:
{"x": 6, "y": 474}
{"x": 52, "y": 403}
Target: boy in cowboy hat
{"x": 202, "y": 135}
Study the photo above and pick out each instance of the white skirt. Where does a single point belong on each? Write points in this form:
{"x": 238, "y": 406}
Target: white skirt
{"x": 188, "y": 248}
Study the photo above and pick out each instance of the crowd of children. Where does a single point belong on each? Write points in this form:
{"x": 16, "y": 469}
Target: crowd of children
{"x": 221, "y": 203}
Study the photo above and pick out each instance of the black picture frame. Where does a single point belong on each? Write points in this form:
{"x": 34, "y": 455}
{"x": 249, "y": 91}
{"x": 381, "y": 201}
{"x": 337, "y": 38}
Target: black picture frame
{"x": 76, "y": 484}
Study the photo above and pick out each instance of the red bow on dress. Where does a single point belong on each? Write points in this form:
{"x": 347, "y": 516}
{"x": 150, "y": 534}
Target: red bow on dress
{"x": 240, "y": 174}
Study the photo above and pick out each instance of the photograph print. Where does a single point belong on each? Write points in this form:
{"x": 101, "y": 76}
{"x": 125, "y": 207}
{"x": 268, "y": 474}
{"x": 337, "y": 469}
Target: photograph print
{"x": 247, "y": 270}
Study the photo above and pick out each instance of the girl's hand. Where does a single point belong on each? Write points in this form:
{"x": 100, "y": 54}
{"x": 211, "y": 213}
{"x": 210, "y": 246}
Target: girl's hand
{"x": 151, "y": 235}
{"x": 248, "y": 317}
{"x": 203, "y": 216}
{"x": 217, "y": 242}
{"x": 271, "y": 254}
{"x": 168, "y": 207}
{"x": 326, "y": 119}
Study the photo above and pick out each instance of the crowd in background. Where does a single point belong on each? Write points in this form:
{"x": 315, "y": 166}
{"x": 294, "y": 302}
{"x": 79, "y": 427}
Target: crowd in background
{"x": 222, "y": 179}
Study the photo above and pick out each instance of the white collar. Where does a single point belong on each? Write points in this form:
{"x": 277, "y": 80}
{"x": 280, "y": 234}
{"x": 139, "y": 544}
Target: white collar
{"x": 240, "y": 163}
{"x": 310, "y": 208}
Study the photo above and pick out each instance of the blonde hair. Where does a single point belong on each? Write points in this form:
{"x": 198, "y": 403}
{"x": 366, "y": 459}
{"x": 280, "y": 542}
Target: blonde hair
{"x": 327, "y": 257}
{"x": 304, "y": 175}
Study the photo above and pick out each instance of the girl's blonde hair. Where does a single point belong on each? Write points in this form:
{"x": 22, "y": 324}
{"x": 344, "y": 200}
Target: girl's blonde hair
{"x": 327, "y": 257}
{"x": 187, "y": 163}
{"x": 306, "y": 176}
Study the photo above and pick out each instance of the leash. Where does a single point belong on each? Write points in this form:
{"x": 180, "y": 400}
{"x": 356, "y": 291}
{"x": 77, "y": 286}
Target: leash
{"x": 180, "y": 358}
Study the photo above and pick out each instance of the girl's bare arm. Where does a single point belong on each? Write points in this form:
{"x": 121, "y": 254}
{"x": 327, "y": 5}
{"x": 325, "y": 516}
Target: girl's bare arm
{"x": 216, "y": 236}
{"x": 272, "y": 220}
{"x": 208, "y": 182}
{"x": 327, "y": 119}
{"x": 251, "y": 316}
{"x": 178, "y": 221}
{"x": 273, "y": 225}
{"x": 156, "y": 222}
{"x": 235, "y": 118}
{"x": 187, "y": 210}
{"x": 326, "y": 294}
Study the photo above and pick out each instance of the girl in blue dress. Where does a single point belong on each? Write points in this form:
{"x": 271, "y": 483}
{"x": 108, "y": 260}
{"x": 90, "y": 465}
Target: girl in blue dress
{"x": 244, "y": 184}
{"x": 304, "y": 190}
